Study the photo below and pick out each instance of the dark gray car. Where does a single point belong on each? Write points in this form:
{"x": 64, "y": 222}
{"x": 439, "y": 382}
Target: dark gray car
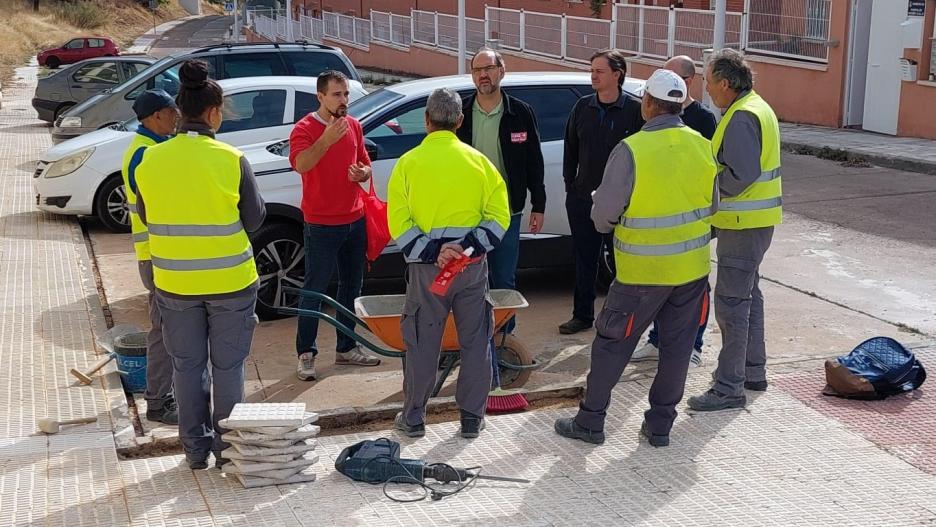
{"x": 225, "y": 61}
{"x": 80, "y": 81}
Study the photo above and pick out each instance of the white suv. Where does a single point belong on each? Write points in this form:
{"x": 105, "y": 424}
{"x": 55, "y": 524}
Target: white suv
{"x": 393, "y": 123}
{"x": 82, "y": 175}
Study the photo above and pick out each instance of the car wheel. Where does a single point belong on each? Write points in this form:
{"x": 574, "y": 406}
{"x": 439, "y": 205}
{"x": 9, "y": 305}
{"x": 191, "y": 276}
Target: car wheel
{"x": 280, "y": 258}
{"x": 110, "y": 205}
{"x": 606, "y": 268}
{"x": 61, "y": 109}
{"x": 53, "y": 63}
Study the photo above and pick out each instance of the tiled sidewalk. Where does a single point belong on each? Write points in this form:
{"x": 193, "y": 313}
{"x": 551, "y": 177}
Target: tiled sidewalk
{"x": 903, "y": 153}
{"x": 786, "y": 460}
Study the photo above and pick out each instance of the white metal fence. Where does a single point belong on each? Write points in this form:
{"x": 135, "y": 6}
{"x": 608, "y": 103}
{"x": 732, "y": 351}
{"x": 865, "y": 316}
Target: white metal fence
{"x": 346, "y": 28}
{"x": 797, "y": 29}
{"x": 585, "y": 36}
{"x": 391, "y": 28}
{"x": 441, "y": 30}
{"x": 790, "y": 28}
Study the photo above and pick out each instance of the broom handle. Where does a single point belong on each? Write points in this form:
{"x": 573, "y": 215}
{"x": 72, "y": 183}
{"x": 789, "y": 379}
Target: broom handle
{"x": 495, "y": 369}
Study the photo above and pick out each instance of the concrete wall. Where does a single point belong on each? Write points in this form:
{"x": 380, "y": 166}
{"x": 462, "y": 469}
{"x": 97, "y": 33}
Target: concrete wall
{"x": 193, "y": 7}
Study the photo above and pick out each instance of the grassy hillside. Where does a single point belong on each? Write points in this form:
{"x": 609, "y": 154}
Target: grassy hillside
{"x": 24, "y": 32}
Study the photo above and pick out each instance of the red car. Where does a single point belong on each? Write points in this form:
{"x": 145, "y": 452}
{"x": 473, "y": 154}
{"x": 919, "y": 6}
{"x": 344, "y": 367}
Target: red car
{"x": 78, "y": 49}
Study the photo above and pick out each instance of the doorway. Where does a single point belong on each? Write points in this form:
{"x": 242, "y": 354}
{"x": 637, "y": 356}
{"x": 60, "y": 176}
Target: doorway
{"x": 859, "y": 32}
{"x": 882, "y": 86}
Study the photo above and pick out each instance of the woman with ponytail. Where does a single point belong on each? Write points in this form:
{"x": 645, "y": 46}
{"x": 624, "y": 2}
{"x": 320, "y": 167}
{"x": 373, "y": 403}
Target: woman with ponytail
{"x": 199, "y": 199}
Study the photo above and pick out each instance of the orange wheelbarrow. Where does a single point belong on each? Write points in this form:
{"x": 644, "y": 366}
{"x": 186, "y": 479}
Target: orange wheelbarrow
{"x": 381, "y": 314}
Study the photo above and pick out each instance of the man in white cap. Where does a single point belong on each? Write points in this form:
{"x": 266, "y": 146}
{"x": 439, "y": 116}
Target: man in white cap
{"x": 657, "y": 196}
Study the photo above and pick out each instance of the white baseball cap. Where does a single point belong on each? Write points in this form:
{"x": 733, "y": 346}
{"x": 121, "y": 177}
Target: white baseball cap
{"x": 666, "y": 86}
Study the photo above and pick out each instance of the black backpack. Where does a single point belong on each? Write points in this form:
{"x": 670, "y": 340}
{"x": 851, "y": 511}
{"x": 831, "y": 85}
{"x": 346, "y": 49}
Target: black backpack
{"x": 877, "y": 368}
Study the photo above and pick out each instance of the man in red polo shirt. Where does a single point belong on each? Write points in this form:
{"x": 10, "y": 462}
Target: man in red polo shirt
{"x": 327, "y": 148}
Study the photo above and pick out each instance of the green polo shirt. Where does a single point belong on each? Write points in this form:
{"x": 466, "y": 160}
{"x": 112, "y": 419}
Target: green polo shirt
{"x": 485, "y": 134}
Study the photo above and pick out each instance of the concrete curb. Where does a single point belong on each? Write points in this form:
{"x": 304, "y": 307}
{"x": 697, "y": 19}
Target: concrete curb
{"x": 335, "y": 420}
{"x": 897, "y": 162}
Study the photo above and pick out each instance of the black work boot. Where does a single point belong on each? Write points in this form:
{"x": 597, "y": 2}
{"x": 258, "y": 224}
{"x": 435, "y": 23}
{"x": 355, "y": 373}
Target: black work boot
{"x": 653, "y": 439}
{"x": 712, "y": 401}
{"x": 567, "y": 427}
{"x": 410, "y": 430}
{"x": 755, "y": 386}
{"x": 197, "y": 464}
{"x": 574, "y": 325}
{"x": 168, "y": 413}
{"x": 471, "y": 425}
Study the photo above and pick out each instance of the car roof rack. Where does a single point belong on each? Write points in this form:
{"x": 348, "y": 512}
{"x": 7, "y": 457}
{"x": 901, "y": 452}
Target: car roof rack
{"x": 276, "y": 45}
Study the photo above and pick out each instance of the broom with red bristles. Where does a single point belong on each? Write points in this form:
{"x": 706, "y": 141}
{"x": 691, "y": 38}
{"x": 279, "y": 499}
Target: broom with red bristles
{"x": 500, "y": 400}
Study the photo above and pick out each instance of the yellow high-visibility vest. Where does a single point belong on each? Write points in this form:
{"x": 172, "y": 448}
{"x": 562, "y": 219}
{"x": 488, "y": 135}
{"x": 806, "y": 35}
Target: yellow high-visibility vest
{"x": 190, "y": 186}
{"x": 475, "y": 193}
{"x": 663, "y": 236}
{"x": 760, "y": 205}
{"x": 138, "y": 230}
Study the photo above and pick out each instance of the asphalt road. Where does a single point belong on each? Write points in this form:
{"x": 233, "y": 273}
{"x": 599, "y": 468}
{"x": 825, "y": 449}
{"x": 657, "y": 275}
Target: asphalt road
{"x": 200, "y": 32}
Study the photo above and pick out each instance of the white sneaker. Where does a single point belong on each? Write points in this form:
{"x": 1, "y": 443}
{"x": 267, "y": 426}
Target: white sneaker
{"x": 695, "y": 360}
{"x": 306, "y": 368}
{"x": 647, "y": 352}
{"x": 355, "y": 357}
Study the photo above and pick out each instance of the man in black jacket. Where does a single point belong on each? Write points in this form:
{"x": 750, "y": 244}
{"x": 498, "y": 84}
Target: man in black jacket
{"x": 598, "y": 122}
{"x": 504, "y": 129}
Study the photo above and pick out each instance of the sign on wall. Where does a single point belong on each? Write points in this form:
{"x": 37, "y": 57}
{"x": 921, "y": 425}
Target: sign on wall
{"x": 916, "y": 8}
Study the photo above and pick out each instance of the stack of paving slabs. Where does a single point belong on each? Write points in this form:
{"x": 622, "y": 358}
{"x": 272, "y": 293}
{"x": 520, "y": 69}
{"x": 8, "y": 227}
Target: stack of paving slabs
{"x": 271, "y": 443}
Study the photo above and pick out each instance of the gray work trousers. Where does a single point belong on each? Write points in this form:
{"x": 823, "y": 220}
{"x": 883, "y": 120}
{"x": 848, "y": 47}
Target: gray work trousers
{"x": 739, "y": 309}
{"x": 196, "y": 332}
{"x": 628, "y": 311}
{"x": 423, "y": 323}
{"x": 158, "y": 364}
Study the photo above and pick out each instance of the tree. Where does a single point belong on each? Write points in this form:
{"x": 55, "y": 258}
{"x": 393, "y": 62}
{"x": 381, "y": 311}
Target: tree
{"x": 596, "y": 6}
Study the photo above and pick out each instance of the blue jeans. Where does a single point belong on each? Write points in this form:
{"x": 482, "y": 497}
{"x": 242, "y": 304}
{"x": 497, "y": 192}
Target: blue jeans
{"x": 654, "y": 336}
{"x": 326, "y": 246}
{"x": 502, "y": 263}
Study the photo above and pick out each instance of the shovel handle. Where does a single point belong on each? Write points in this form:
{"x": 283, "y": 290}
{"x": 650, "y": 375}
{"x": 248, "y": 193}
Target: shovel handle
{"x": 79, "y": 421}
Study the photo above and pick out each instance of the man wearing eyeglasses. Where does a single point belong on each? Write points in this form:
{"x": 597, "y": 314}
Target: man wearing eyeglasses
{"x": 504, "y": 129}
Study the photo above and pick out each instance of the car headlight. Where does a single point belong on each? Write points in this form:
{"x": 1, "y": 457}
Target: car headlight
{"x": 70, "y": 122}
{"x": 69, "y": 164}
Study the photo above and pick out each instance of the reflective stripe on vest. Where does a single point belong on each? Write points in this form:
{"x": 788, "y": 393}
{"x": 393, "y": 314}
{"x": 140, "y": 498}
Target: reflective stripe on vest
{"x": 191, "y": 185}
{"x": 663, "y": 250}
{"x": 759, "y": 205}
{"x": 663, "y": 236}
{"x": 140, "y": 241}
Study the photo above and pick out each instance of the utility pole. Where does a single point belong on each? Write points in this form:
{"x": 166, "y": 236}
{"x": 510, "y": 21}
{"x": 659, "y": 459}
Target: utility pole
{"x": 35, "y": 5}
{"x": 718, "y": 42}
{"x": 461, "y": 37}
{"x": 721, "y": 8}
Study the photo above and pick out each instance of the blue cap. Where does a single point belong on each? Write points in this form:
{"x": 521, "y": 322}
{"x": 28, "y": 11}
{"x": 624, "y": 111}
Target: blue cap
{"x": 151, "y": 101}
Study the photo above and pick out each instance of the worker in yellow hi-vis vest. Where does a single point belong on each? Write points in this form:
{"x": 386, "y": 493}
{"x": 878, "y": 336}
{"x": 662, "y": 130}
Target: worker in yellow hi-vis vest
{"x": 158, "y": 116}
{"x": 657, "y": 196}
{"x": 747, "y": 146}
{"x": 444, "y": 198}
{"x": 199, "y": 199}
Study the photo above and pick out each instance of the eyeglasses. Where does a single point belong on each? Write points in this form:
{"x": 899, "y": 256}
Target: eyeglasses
{"x": 485, "y": 69}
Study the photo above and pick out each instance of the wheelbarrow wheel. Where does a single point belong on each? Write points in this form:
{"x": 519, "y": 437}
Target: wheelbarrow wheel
{"x": 512, "y": 351}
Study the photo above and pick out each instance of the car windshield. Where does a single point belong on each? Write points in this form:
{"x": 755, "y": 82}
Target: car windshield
{"x": 369, "y": 104}
{"x": 158, "y": 65}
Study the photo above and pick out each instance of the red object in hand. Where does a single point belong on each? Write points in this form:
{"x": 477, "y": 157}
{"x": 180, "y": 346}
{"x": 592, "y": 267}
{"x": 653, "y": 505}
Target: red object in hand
{"x": 443, "y": 281}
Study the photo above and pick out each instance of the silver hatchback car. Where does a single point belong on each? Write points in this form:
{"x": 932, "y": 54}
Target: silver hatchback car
{"x": 80, "y": 81}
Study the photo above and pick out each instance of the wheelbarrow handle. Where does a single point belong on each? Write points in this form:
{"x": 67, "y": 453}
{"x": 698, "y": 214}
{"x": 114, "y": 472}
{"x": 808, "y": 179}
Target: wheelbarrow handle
{"x": 348, "y": 332}
{"x": 315, "y": 295}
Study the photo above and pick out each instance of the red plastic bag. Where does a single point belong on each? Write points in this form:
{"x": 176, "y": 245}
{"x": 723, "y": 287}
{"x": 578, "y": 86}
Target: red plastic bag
{"x": 375, "y": 216}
